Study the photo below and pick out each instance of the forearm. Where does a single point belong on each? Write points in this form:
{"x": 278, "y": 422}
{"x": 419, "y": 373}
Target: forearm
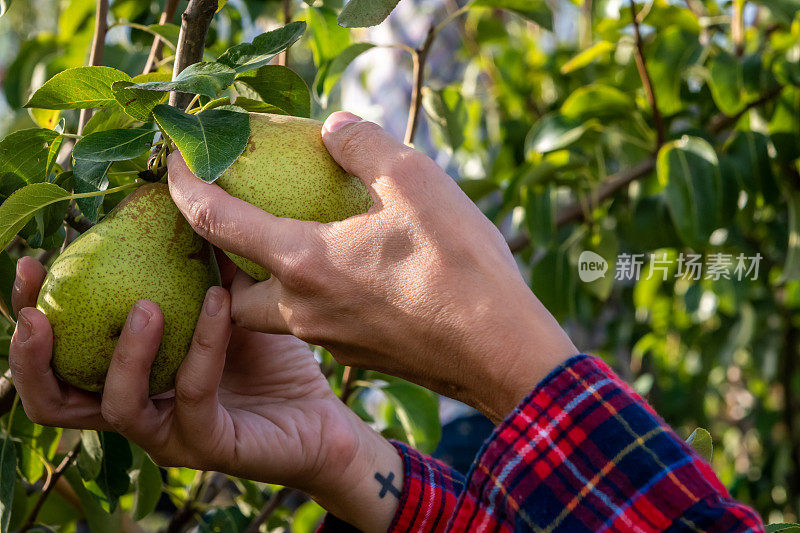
{"x": 366, "y": 493}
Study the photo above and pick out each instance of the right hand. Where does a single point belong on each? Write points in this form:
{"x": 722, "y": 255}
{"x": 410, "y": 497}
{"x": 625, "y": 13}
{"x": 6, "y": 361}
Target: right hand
{"x": 422, "y": 286}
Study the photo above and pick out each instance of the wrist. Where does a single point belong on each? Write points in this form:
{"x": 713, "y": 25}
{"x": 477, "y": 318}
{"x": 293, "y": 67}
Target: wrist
{"x": 360, "y": 468}
{"x": 523, "y": 347}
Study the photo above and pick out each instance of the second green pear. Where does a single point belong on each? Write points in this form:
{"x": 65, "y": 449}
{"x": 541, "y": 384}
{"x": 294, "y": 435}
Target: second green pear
{"x": 287, "y": 171}
{"x": 143, "y": 249}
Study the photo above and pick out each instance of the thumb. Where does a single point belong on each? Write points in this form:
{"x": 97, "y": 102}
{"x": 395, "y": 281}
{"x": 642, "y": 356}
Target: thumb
{"x": 364, "y": 149}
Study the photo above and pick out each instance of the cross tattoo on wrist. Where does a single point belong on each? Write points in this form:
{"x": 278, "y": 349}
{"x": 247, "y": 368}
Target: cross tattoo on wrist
{"x": 387, "y": 486}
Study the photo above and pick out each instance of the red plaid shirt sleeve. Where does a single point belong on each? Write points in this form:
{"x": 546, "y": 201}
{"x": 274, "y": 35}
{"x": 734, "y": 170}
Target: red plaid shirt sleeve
{"x": 583, "y": 452}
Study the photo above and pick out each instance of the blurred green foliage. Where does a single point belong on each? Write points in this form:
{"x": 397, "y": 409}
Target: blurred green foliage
{"x": 549, "y": 124}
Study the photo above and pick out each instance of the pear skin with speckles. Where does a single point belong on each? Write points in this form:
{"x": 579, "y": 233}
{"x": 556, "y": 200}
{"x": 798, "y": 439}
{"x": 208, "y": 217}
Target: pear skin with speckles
{"x": 143, "y": 249}
{"x": 287, "y": 171}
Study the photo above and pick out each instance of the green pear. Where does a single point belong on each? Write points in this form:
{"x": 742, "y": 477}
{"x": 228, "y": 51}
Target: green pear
{"x": 143, "y": 249}
{"x": 287, "y": 171}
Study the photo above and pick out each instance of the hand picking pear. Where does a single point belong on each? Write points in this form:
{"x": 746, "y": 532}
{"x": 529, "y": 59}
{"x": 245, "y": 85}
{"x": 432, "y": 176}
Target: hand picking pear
{"x": 143, "y": 249}
{"x": 287, "y": 171}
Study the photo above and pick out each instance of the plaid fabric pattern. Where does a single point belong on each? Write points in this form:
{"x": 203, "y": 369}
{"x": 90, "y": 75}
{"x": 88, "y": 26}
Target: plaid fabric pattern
{"x": 583, "y": 452}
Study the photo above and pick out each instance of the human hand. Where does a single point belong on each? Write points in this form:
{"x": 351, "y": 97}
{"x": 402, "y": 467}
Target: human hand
{"x": 255, "y": 406}
{"x": 422, "y": 286}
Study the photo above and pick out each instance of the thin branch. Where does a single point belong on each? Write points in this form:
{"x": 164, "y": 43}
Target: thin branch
{"x": 647, "y": 83}
{"x": 283, "y": 57}
{"x": 273, "y": 503}
{"x": 577, "y": 210}
{"x": 348, "y": 376}
{"x": 192, "y": 42}
{"x": 418, "y": 60}
{"x": 48, "y": 487}
{"x": 737, "y": 27}
{"x": 96, "y": 53}
{"x": 722, "y": 121}
{"x": 158, "y": 43}
{"x": 205, "y": 491}
{"x": 7, "y": 393}
{"x": 76, "y": 220}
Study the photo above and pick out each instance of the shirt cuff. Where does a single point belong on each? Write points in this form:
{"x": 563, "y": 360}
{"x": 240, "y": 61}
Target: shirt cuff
{"x": 430, "y": 492}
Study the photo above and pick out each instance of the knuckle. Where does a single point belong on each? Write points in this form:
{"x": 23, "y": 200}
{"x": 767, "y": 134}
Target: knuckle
{"x": 201, "y": 216}
{"x": 408, "y": 164}
{"x": 190, "y": 395}
{"x": 357, "y": 140}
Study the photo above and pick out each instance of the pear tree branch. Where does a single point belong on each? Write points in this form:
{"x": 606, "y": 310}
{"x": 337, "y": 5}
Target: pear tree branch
{"x": 158, "y": 43}
{"x": 647, "y": 82}
{"x": 272, "y": 504}
{"x": 418, "y": 59}
{"x": 49, "y": 486}
{"x": 195, "y": 22}
{"x": 96, "y": 53}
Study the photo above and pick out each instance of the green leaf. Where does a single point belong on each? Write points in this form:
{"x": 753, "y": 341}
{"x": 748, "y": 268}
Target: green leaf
{"x": 328, "y": 38}
{"x": 45, "y": 118}
{"x": 307, "y": 518}
{"x": 139, "y": 103}
{"x": 281, "y": 87}
{"x": 8, "y": 467}
{"x": 90, "y": 176}
{"x": 597, "y": 101}
{"x": 791, "y": 265}
{"x": 553, "y": 132}
{"x": 535, "y": 10}
{"x": 784, "y": 527}
{"x": 328, "y": 76}
{"x": 749, "y": 152}
{"x": 114, "y": 145}
{"x": 588, "y": 56}
{"x": 23, "y": 205}
{"x": 446, "y": 111}
{"x": 78, "y": 88}
{"x": 249, "y": 56}
{"x": 364, "y": 13}
{"x": 206, "y": 79}
{"x": 725, "y": 81}
{"x": 540, "y": 215}
{"x": 689, "y": 171}
{"x": 99, "y": 520}
{"x": 108, "y": 119}
{"x": 784, "y": 128}
{"x": 38, "y": 444}
{"x": 256, "y": 106}
{"x": 418, "y": 411}
{"x": 146, "y": 483}
{"x": 8, "y": 275}
{"x": 209, "y": 141}
{"x": 700, "y": 440}
{"x": 112, "y": 481}
{"x": 672, "y": 53}
{"x": 25, "y": 153}
{"x": 170, "y": 33}
{"x": 90, "y": 458}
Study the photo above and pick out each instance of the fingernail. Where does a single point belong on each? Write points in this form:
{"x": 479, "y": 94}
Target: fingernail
{"x": 140, "y": 317}
{"x": 338, "y": 120}
{"x": 213, "y": 302}
{"x": 24, "y": 328}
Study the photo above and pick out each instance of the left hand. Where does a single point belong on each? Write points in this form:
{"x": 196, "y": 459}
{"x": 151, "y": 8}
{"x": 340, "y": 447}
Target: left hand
{"x": 256, "y": 406}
